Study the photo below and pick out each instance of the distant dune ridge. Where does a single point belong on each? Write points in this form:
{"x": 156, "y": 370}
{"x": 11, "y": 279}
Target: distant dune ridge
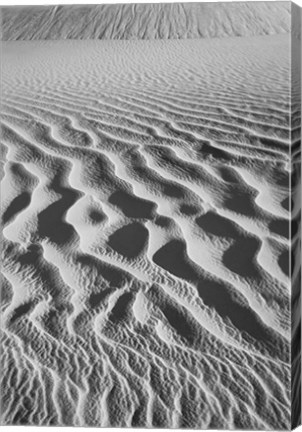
{"x": 149, "y": 190}
{"x": 146, "y": 21}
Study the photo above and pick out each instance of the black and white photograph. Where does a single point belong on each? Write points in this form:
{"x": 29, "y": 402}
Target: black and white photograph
{"x": 150, "y": 215}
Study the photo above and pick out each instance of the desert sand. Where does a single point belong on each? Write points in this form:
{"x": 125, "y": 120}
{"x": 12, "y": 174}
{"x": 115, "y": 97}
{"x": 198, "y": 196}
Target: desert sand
{"x": 145, "y": 211}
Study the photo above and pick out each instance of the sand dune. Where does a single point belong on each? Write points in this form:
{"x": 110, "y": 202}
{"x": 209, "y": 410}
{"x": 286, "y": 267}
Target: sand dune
{"x": 146, "y": 214}
{"x": 146, "y": 21}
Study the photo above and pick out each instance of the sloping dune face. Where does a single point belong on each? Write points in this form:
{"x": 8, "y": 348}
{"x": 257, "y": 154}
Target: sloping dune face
{"x": 146, "y": 21}
{"x": 145, "y": 214}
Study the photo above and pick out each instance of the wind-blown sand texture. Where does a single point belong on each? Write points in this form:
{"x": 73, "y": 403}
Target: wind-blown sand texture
{"x": 149, "y": 209}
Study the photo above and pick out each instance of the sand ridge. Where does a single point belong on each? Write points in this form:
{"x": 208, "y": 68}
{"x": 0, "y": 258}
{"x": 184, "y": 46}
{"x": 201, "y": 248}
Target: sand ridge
{"x": 146, "y": 21}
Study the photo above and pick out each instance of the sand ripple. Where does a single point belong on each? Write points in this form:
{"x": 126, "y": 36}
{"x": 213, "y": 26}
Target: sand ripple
{"x": 145, "y": 198}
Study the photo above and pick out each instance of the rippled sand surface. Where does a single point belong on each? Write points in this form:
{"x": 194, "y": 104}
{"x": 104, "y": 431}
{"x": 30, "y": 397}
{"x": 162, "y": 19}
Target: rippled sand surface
{"x": 145, "y": 211}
